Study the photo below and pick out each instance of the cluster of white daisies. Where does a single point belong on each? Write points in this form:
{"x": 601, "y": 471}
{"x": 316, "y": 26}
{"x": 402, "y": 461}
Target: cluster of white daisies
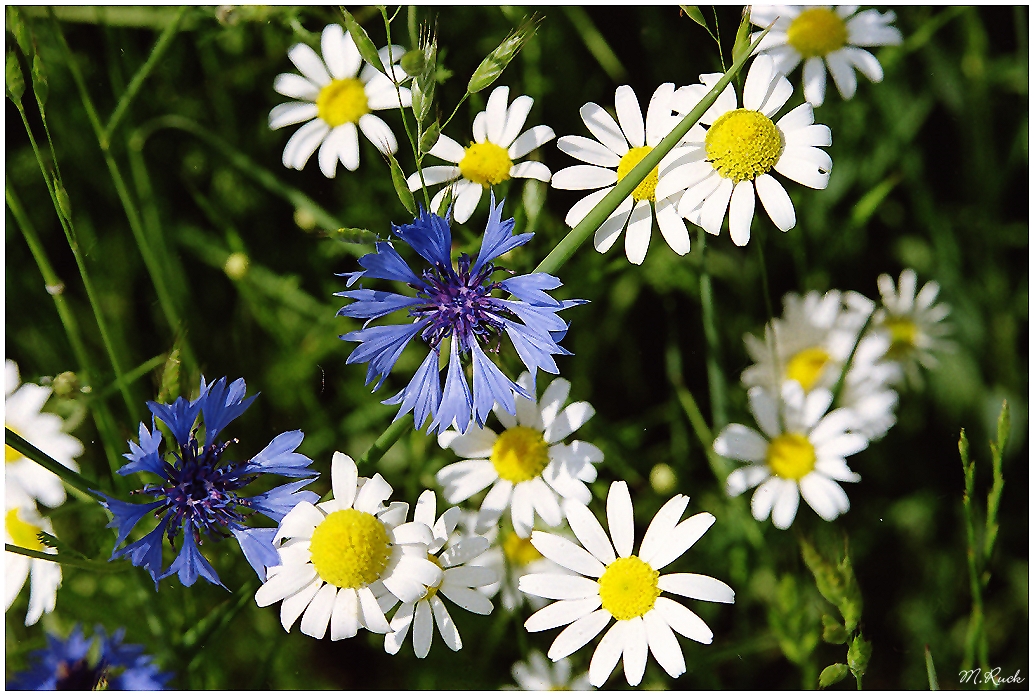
{"x": 719, "y": 169}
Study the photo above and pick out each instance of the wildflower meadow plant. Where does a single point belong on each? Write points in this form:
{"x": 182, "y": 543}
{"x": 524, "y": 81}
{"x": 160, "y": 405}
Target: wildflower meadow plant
{"x": 528, "y": 417}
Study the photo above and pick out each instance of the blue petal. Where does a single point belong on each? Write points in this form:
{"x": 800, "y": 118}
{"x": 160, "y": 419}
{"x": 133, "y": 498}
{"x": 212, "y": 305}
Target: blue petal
{"x": 189, "y": 564}
{"x": 491, "y": 386}
{"x": 221, "y": 404}
{"x": 373, "y": 304}
{"x": 423, "y": 394}
{"x": 257, "y": 545}
{"x": 125, "y": 516}
{"x": 429, "y": 235}
{"x": 386, "y": 264}
{"x": 381, "y": 346}
{"x": 533, "y": 350}
{"x": 179, "y": 416}
{"x": 146, "y": 552}
{"x": 456, "y": 403}
{"x": 530, "y": 287}
{"x": 351, "y": 277}
{"x": 279, "y": 457}
{"x": 498, "y": 237}
{"x": 539, "y": 318}
{"x": 145, "y": 457}
{"x": 281, "y": 500}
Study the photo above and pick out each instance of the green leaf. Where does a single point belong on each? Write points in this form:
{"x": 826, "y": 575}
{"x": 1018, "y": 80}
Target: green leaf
{"x": 423, "y": 86}
{"x": 52, "y": 542}
{"x": 832, "y": 674}
{"x": 832, "y": 631}
{"x": 496, "y": 61}
{"x": 17, "y": 26}
{"x": 413, "y": 62}
{"x": 362, "y": 41}
{"x": 429, "y": 137}
{"x": 1004, "y": 422}
{"x": 931, "y": 673}
{"x": 96, "y": 566}
{"x": 353, "y": 235}
{"x": 742, "y": 44}
{"x": 64, "y": 204}
{"x": 401, "y": 187}
{"x": 14, "y": 81}
{"x": 694, "y": 13}
{"x": 170, "y": 388}
{"x": 40, "y": 84}
{"x": 858, "y": 654}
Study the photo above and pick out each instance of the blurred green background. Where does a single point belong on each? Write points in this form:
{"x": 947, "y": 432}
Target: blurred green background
{"x": 930, "y": 172}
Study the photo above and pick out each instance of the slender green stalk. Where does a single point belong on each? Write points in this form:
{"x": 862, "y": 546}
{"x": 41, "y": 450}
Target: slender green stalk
{"x": 402, "y": 112}
{"x": 131, "y": 376}
{"x": 383, "y": 443}
{"x": 565, "y": 249}
{"x": 102, "y": 416}
{"x": 163, "y": 43}
{"x": 70, "y": 478}
{"x": 203, "y": 631}
{"x": 715, "y": 376}
{"x": 839, "y": 386}
{"x": 976, "y": 619}
{"x": 596, "y": 43}
{"x": 61, "y": 559}
{"x": 931, "y": 673}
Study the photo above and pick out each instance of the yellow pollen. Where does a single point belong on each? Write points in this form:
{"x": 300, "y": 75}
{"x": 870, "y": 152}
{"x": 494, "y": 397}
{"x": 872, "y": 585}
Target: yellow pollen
{"x": 817, "y": 32}
{"x": 791, "y": 456}
{"x": 903, "y": 336}
{"x": 21, "y": 532}
{"x": 12, "y": 455}
{"x": 350, "y": 548}
{"x": 743, "y": 144}
{"x": 342, "y": 101}
{"x": 433, "y": 589}
{"x": 520, "y": 454}
{"x": 807, "y": 366}
{"x": 486, "y": 164}
{"x": 628, "y": 588}
{"x": 518, "y": 551}
{"x": 646, "y": 190}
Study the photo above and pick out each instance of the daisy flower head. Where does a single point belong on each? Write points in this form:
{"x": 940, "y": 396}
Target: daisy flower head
{"x": 619, "y": 146}
{"x": 537, "y": 675}
{"x": 912, "y": 322}
{"x": 22, "y": 524}
{"x": 459, "y": 583}
{"x": 817, "y": 34}
{"x": 612, "y": 582}
{"x": 75, "y": 664}
{"x": 199, "y": 489}
{"x": 337, "y": 557}
{"x": 22, "y": 414}
{"x": 335, "y": 100}
{"x": 490, "y": 159}
{"x": 731, "y": 160}
{"x": 455, "y": 302}
{"x": 528, "y": 466}
{"x": 798, "y": 454}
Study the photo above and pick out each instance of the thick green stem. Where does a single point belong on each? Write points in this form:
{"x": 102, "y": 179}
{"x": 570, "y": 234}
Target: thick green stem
{"x": 383, "y": 443}
{"x": 71, "y": 478}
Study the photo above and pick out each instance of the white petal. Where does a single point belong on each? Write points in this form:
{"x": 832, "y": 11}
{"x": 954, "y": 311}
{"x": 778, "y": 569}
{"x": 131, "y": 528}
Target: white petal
{"x": 378, "y": 133}
{"x": 741, "y": 443}
{"x": 580, "y": 209}
{"x": 522, "y": 510}
{"x": 865, "y": 62}
{"x": 776, "y": 202}
{"x": 348, "y": 146}
{"x": 702, "y": 587}
{"x": 370, "y": 611}
{"x": 785, "y": 508}
{"x": 759, "y": 80}
{"x": 842, "y": 446}
{"x": 446, "y": 627}
{"x": 530, "y": 140}
{"x": 478, "y": 127}
{"x": 798, "y": 117}
{"x": 471, "y": 600}
{"x": 765, "y": 411}
{"x": 745, "y": 478}
{"x": 495, "y": 114}
{"x": 290, "y": 113}
{"x": 423, "y": 629}
{"x": 296, "y": 87}
{"x": 570, "y": 419}
{"x": 556, "y": 586}
{"x": 635, "y": 651}
{"x": 659, "y": 120}
{"x": 470, "y": 576}
{"x": 683, "y": 621}
{"x": 493, "y": 505}
{"x": 561, "y": 613}
{"x": 553, "y": 399}
{"x": 663, "y": 644}
{"x": 344, "y": 478}
{"x": 372, "y": 495}
{"x": 567, "y": 554}
{"x": 545, "y": 503}
{"x": 530, "y": 170}
{"x": 620, "y": 519}
{"x": 466, "y": 201}
{"x": 662, "y": 524}
{"x": 607, "y": 654}
{"x": 516, "y": 115}
{"x": 612, "y": 227}
{"x": 476, "y": 442}
{"x": 293, "y": 606}
{"x": 685, "y": 534}
{"x": 578, "y": 634}
{"x": 601, "y": 125}
{"x": 332, "y": 45}
{"x": 584, "y": 176}
{"x": 309, "y": 64}
{"x": 816, "y": 135}
{"x": 694, "y": 197}
{"x": 630, "y": 116}
{"x": 741, "y": 212}
{"x": 837, "y": 470}
{"x": 673, "y": 229}
{"x": 802, "y": 171}
{"x": 637, "y": 234}
{"x": 825, "y": 497}
{"x": 588, "y": 531}
{"x": 328, "y": 156}
{"x": 317, "y": 615}
{"x": 713, "y": 213}
{"x": 682, "y": 178}
{"x": 843, "y": 74}
{"x": 588, "y": 150}
{"x": 814, "y": 81}
{"x": 461, "y": 482}
{"x": 299, "y": 522}
{"x": 463, "y": 551}
{"x": 344, "y": 621}
{"x": 448, "y": 149}
{"x": 778, "y": 95}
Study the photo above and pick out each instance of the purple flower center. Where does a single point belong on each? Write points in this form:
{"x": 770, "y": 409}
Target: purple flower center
{"x": 459, "y": 304}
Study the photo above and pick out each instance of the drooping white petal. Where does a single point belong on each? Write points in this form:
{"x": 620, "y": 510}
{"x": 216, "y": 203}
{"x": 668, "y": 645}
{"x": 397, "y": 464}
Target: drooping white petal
{"x": 683, "y": 621}
{"x": 561, "y": 613}
{"x": 663, "y": 644}
{"x": 785, "y": 508}
{"x": 612, "y": 227}
{"x": 843, "y": 74}
{"x": 293, "y": 606}
{"x": 635, "y": 651}
{"x": 344, "y": 621}
{"x": 637, "y": 234}
{"x": 745, "y": 478}
{"x": 814, "y": 81}
{"x": 717, "y": 203}
{"x": 317, "y": 615}
{"x": 607, "y": 654}
{"x": 741, "y": 212}
{"x": 578, "y": 634}
{"x": 446, "y": 626}
{"x": 378, "y": 133}
{"x": 467, "y": 197}
{"x": 673, "y": 229}
{"x": 423, "y": 629}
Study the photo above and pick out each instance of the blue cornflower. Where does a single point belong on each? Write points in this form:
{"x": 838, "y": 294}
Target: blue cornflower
{"x": 66, "y": 665}
{"x": 200, "y": 491}
{"x": 455, "y": 302}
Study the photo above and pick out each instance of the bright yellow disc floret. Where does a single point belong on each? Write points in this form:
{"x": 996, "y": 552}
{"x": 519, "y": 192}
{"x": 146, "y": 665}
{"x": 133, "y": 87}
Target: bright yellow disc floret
{"x": 646, "y": 190}
{"x": 518, "y": 551}
{"x": 342, "y": 101}
{"x": 21, "y": 532}
{"x": 520, "y": 454}
{"x": 903, "y": 336}
{"x": 486, "y": 164}
{"x": 791, "y": 456}
{"x": 350, "y": 548}
{"x": 628, "y": 588}
{"x": 807, "y": 366}
{"x": 743, "y": 144}
{"x": 817, "y": 32}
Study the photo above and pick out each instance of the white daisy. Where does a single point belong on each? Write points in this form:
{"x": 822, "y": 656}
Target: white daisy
{"x": 490, "y": 159}
{"x": 22, "y": 523}
{"x": 618, "y": 150}
{"x": 814, "y": 34}
{"x": 730, "y": 161}
{"x": 22, "y": 415}
{"x": 458, "y": 584}
{"x": 623, "y": 586}
{"x": 527, "y": 465}
{"x": 537, "y": 675}
{"x": 911, "y": 321}
{"x": 800, "y": 454}
{"x": 340, "y": 555}
{"x": 335, "y": 97}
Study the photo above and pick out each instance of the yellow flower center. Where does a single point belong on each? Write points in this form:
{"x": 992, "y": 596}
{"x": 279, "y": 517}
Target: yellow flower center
{"x": 432, "y": 590}
{"x": 817, "y": 32}
{"x": 21, "y": 532}
{"x": 903, "y": 336}
{"x": 791, "y": 456}
{"x": 743, "y": 144}
{"x": 807, "y": 366}
{"x": 486, "y": 164}
{"x": 12, "y": 455}
{"x": 342, "y": 101}
{"x": 350, "y": 548}
{"x": 520, "y": 454}
{"x": 628, "y": 588}
{"x": 518, "y": 551}
{"x": 646, "y": 190}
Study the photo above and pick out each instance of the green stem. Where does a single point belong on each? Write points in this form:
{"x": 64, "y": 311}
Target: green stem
{"x": 163, "y": 43}
{"x": 198, "y": 637}
{"x": 70, "y": 478}
{"x": 839, "y": 386}
{"x": 131, "y": 376}
{"x": 976, "y": 619}
{"x": 116, "y": 566}
{"x": 383, "y": 443}
{"x": 567, "y": 246}
{"x": 715, "y": 376}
